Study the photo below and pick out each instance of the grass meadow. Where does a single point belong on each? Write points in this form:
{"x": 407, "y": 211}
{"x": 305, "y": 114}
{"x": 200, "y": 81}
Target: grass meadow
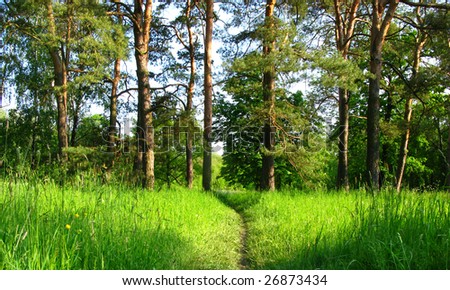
{"x": 321, "y": 230}
{"x": 92, "y": 226}
{"x": 87, "y": 225}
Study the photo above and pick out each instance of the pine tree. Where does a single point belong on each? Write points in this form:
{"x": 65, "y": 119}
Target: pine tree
{"x": 208, "y": 90}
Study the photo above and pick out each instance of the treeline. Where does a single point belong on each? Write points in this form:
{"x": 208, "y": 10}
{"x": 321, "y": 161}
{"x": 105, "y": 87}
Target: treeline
{"x": 305, "y": 94}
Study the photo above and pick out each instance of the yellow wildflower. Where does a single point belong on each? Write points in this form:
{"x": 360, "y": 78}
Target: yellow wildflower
{"x": 77, "y": 215}
{"x": 68, "y": 226}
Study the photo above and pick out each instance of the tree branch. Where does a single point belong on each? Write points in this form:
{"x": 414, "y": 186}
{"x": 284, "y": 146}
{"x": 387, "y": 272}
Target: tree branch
{"x": 427, "y": 5}
{"x": 129, "y": 14}
{"x": 178, "y": 35}
{"x": 127, "y": 91}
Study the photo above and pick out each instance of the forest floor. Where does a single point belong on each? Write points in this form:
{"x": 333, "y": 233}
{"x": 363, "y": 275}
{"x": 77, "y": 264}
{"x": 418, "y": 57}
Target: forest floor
{"x": 87, "y": 225}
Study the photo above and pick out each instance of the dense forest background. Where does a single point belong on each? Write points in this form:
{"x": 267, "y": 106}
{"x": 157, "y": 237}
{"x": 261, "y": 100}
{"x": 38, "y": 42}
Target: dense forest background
{"x": 295, "y": 94}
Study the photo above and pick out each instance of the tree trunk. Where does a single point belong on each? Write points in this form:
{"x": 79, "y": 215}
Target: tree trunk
{"x": 344, "y": 35}
{"x": 60, "y": 77}
{"x": 141, "y": 29}
{"x": 75, "y": 122}
{"x": 112, "y": 132}
{"x": 403, "y": 155}
{"x": 113, "y": 109}
{"x": 380, "y": 27}
{"x": 35, "y": 122}
{"x": 207, "y": 121}
{"x": 386, "y": 148}
{"x": 268, "y": 162}
{"x": 447, "y": 183}
{"x": 190, "y": 96}
{"x": 145, "y": 125}
{"x": 342, "y": 180}
{"x": 373, "y": 124}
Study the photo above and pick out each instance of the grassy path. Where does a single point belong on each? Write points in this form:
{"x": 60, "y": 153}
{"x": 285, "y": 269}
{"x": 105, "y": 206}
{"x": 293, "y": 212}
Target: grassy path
{"x": 240, "y": 202}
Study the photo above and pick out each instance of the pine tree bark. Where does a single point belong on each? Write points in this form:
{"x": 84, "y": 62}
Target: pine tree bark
{"x": 60, "y": 78}
{"x": 113, "y": 109}
{"x": 380, "y": 27}
{"x": 268, "y": 162}
{"x": 344, "y": 34}
{"x": 112, "y": 132}
{"x": 190, "y": 96}
{"x": 142, "y": 17}
{"x": 403, "y": 154}
{"x": 342, "y": 179}
{"x": 207, "y": 119}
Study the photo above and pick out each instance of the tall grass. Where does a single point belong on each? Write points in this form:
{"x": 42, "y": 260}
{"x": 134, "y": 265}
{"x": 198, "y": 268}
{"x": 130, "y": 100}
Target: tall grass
{"x": 91, "y": 226}
{"x": 346, "y": 231}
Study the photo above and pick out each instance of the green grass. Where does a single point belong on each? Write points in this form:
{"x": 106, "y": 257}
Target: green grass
{"x": 114, "y": 228}
{"x": 345, "y": 231}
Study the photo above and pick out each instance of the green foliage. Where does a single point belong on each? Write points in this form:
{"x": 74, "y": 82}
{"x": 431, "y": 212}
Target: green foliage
{"x": 26, "y": 141}
{"x": 171, "y": 128}
{"x": 86, "y": 159}
{"x": 89, "y": 37}
{"x": 240, "y": 201}
{"x": 301, "y": 155}
{"x": 92, "y": 131}
{"x": 218, "y": 182}
{"x": 335, "y": 71}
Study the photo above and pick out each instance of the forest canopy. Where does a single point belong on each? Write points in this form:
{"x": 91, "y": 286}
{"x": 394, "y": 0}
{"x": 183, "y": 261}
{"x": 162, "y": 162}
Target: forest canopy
{"x": 234, "y": 94}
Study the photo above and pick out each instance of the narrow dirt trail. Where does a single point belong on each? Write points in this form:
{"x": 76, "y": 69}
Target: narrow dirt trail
{"x": 243, "y": 261}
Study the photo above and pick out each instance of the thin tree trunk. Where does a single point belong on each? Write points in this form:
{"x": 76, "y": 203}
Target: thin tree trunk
{"x": 113, "y": 108}
{"x": 207, "y": 119}
{"x": 142, "y": 17}
{"x": 380, "y": 27}
{"x": 403, "y": 155}
{"x": 344, "y": 35}
{"x": 60, "y": 77}
{"x": 342, "y": 181}
{"x": 35, "y": 122}
{"x": 112, "y": 133}
{"x": 386, "y": 148}
{"x": 190, "y": 96}
{"x": 404, "y": 143}
{"x": 268, "y": 162}
{"x": 447, "y": 183}
{"x": 75, "y": 121}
